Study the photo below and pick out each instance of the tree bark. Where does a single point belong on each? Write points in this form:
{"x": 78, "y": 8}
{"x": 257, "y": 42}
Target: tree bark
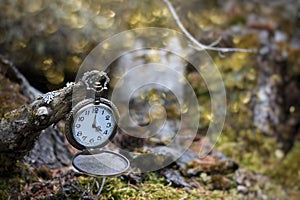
{"x": 277, "y": 94}
{"x": 49, "y": 150}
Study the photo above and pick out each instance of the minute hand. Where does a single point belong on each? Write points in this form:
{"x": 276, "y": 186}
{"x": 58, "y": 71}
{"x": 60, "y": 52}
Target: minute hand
{"x": 98, "y": 129}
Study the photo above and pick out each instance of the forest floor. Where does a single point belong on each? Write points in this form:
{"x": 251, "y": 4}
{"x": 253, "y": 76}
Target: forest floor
{"x": 248, "y": 162}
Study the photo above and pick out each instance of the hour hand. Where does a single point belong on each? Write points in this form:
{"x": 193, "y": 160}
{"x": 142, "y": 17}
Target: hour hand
{"x": 98, "y": 128}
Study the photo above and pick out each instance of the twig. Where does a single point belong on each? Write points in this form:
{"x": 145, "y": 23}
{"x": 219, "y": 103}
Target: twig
{"x": 199, "y": 46}
{"x": 216, "y": 42}
{"x": 101, "y": 188}
{"x": 61, "y": 186}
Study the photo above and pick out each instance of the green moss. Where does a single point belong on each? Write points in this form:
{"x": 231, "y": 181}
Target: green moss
{"x": 18, "y": 113}
{"x": 259, "y": 153}
{"x": 287, "y": 171}
{"x": 153, "y": 187}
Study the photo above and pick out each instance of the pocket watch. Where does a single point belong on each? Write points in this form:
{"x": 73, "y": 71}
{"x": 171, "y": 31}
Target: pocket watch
{"x": 92, "y": 123}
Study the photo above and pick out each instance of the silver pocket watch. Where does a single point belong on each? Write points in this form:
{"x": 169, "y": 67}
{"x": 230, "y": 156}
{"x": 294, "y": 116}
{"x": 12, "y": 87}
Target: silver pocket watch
{"x": 91, "y": 124}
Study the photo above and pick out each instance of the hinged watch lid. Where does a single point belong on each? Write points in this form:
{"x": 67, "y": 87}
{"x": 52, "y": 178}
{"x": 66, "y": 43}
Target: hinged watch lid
{"x": 100, "y": 162}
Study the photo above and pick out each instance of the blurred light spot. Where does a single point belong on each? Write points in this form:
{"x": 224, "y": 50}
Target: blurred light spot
{"x": 47, "y": 64}
{"x": 236, "y": 40}
{"x": 33, "y": 6}
{"x": 103, "y": 22}
{"x": 106, "y": 45}
{"x": 157, "y": 112}
{"x": 74, "y": 21}
{"x": 292, "y": 109}
{"x": 279, "y": 154}
{"x": 184, "y": 108}
{"x": 108, "y": 13}
{"x": 73, "y": 63}
{"x": 235, "y": 107}
{"x": 246, "y": 98}
{"x": 209, "y": 116}
{"x": 54, "y": 77}
{"x": 22, "y": 44}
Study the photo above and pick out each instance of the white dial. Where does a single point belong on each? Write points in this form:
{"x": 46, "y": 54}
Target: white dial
{"x": 93, "y": 125}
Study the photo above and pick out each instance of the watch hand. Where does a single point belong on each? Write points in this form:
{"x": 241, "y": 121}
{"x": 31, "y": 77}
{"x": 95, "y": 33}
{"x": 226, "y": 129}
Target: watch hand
{"x": 98, "y": 128}
{"x": 94, "y": 123}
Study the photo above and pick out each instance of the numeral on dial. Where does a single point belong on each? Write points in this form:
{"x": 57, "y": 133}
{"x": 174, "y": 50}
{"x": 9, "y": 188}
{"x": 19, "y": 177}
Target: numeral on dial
{"x": 79, "y": 133}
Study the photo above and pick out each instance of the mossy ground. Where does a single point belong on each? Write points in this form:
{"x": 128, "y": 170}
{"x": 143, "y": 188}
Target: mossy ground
{"x": 43, "y": 183}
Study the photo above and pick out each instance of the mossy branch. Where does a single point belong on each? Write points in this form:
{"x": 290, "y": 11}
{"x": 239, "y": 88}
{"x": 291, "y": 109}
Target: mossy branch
{"x": 20, "y": 128}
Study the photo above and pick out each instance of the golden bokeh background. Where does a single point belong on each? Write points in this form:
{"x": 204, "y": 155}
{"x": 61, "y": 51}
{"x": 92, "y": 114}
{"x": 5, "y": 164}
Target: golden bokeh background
{"x": 48, "y": 39}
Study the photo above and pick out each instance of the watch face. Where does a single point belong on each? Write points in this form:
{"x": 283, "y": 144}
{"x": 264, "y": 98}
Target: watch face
{"x": 93, "y": 125}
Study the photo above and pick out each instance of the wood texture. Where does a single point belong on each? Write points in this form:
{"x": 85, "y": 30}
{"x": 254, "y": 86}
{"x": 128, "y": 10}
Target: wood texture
{"x": 21, "y": 127}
